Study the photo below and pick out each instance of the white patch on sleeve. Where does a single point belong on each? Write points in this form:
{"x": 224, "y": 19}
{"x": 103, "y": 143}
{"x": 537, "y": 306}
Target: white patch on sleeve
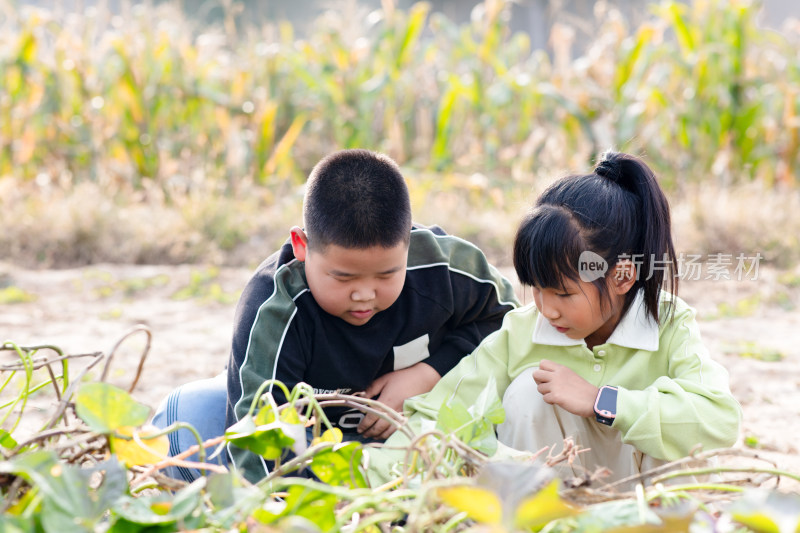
{"x": 411, "y": 352}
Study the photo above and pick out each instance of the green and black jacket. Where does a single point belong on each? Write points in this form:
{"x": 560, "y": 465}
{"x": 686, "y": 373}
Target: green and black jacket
{"x": 451, "y": 300}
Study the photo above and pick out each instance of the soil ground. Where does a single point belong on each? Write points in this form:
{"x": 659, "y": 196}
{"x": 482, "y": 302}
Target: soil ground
{"x": 751, "y": 326}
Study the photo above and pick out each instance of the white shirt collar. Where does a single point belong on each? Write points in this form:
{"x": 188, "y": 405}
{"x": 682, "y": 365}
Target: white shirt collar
{"x": 636, "y": 330}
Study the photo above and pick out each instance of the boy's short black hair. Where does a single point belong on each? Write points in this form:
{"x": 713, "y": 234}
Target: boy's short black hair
{"x": 356, "y": 199}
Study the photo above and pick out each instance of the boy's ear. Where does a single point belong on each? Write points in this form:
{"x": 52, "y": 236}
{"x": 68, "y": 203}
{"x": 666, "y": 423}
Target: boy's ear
{"x": 623, "y": 276}
{"x": 299, "y": 243}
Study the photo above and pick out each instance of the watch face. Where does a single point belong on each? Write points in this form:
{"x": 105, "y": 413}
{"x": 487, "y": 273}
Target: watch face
{"x": 606, "y": 404}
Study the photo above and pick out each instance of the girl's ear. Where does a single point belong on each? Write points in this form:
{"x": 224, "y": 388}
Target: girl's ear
{"x": 299, "y": 243}
{"x": 623, "y": 276}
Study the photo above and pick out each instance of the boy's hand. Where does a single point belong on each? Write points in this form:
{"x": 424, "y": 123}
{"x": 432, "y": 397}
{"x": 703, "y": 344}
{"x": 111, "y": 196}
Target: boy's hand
{"x": 393, "y": 389}
{"x": 561, "y": 386}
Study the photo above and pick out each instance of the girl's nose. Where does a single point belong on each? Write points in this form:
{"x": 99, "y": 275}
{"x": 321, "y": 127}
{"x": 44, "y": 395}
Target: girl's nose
{"x": 548, "y": 310}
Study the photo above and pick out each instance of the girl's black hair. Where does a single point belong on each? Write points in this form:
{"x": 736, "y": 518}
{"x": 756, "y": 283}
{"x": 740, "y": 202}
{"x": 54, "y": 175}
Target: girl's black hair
{"x": 618, "y": 212}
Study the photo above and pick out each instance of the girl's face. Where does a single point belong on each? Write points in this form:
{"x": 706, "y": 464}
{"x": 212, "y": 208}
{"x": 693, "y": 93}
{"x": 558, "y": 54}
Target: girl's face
{"x": 578, "y": 312}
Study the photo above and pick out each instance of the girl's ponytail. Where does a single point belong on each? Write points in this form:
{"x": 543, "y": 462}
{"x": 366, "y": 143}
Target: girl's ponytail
{"x": 654, "y": 255}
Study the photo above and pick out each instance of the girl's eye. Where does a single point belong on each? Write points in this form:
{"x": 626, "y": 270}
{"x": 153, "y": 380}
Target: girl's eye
{"x": 564, "y": 295}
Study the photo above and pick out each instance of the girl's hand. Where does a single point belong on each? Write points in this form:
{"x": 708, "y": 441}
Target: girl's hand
{"x": 560, "y": 386}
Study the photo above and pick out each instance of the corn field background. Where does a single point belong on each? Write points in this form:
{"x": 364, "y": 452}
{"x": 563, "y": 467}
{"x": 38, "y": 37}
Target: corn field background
{"x": 107, "y": 119}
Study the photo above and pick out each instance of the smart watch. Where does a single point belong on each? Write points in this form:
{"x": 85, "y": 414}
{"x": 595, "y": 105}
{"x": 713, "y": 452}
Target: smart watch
{"x": 605, "y": 405}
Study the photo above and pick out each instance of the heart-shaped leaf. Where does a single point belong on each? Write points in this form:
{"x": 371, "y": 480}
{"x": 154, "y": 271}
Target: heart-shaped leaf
{"x": 106, "y": 408}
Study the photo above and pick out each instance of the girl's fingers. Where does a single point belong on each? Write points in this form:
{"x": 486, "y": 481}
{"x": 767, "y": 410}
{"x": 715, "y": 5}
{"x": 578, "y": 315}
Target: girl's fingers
{"x": 542, "y": 375}
{"x": 546, "y": 364}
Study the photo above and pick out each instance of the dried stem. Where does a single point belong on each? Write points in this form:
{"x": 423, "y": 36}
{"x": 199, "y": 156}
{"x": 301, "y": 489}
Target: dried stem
{"x": 113, "y": 352}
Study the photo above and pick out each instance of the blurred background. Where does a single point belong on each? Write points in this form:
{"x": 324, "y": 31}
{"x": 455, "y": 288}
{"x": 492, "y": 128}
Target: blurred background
{"x": 182, "y": 131}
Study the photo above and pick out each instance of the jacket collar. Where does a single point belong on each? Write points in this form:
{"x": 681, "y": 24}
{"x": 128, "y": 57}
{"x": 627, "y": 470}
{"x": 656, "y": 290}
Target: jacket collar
{"x": 636, "y": 330}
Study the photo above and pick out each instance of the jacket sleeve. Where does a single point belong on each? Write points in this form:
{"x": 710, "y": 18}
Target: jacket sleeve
{"x": 691, "y": 405}
{"x": 265, "y": 346}
{"x": 480, "y": 295}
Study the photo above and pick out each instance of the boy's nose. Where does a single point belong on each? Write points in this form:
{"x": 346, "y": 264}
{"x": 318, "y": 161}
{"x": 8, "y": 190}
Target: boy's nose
{"x": 362, "y": 295}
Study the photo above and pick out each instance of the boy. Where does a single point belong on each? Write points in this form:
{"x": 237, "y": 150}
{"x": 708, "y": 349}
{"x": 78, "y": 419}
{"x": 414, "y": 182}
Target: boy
{"x": 360, "y": 299}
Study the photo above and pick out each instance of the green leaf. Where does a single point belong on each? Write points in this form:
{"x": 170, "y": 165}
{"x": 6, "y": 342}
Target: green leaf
{"x": 162, "y": 508}
{"x": 68, "y": 491}
{"x": 675, "y": 12}
{"x": 16, "y": 524}
{"x": 416, "y": 23}
{"x": 488, "y": 404}
{"x": 268, "y": 440}
{"x": 6, "y": 440}
{"x": 340, "y": 465}
{"x": 106, "y": 408}
{"x": 230, "y": 499}
{"x": 126, "y": 526}
{"x": 474, "y": 425}
{"x": 626, "y": 64}
{"x": 481, "y": 436}
{"x": 220, "y": 489}
{"x": 56, "y": 518}
{"x": 453, "y": 417}
{"x": 33, "y": 466}
{"x": 314, "y": 505}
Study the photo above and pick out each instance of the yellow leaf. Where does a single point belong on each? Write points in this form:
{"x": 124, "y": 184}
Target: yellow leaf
{"x": 282, "y": 151}
{"x": 161, "y": 508}
{"x": 481, "y": 505}
{"x": 140, "y": 450}
{"x": 329, "y": 435}
{"x": 543, "y": 507}
{"x": 290, "y": 416}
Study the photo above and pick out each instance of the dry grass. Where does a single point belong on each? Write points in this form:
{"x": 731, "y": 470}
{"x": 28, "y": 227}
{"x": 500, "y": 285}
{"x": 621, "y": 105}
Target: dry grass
{"x": 45, "y": 227}
{"x": 51, "y": 228}
{"x": 746, "y": 219}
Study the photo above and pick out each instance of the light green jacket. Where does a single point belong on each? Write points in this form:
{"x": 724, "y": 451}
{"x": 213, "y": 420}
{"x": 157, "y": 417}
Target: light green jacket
{"x": 672, "y": 395}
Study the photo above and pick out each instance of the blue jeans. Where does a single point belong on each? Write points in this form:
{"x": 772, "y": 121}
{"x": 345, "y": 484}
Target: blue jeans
{"x": 202, "y": 404}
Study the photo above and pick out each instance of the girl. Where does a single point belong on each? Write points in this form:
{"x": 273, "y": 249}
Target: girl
{"x": 604, "y": 355}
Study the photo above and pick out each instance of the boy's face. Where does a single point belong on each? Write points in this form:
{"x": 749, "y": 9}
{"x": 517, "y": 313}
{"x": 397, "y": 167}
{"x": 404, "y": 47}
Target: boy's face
{"x": 351, "y": 283}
